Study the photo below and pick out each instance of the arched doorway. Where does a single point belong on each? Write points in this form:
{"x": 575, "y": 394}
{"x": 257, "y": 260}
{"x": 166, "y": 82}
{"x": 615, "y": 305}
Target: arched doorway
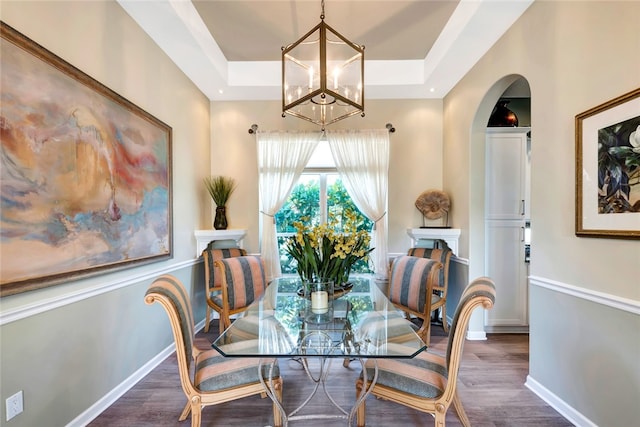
{"x": 506, "y": 86}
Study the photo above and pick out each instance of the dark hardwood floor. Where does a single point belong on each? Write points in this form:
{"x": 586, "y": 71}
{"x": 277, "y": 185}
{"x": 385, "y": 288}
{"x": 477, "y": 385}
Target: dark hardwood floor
{"x": 491, "y": 387}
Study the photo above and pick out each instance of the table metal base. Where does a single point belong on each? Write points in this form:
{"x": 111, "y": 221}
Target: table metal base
{"x": 319, "y": 380}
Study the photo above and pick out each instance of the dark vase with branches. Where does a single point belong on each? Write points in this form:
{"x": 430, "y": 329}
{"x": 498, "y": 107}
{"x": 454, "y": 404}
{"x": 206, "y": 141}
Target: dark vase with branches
{"x": 220, "y": 189}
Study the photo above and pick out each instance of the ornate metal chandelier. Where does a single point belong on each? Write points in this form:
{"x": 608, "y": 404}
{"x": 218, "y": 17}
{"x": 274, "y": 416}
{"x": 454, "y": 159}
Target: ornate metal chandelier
{"x": 323, "y": 76}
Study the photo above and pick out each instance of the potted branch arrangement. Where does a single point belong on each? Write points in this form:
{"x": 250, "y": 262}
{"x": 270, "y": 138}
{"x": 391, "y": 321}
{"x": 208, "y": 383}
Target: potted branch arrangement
{"x": 220, "y": 189}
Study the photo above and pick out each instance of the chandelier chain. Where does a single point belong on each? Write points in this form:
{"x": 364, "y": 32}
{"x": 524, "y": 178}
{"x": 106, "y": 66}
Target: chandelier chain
{"x": 322, "y": 7}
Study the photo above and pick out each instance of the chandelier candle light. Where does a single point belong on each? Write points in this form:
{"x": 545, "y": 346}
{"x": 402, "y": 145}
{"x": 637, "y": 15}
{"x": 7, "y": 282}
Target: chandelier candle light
{"x": 323, "y": 76}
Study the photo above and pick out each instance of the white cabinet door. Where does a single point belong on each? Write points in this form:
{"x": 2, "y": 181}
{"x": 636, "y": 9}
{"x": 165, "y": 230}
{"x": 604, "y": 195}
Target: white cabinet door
{"x": 506, "y": 173}
{"x": 506, "y": 266}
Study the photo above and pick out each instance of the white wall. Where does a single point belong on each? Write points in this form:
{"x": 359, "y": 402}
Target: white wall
{"x": 65, "y": 349}
{"x": 574, "y": 55}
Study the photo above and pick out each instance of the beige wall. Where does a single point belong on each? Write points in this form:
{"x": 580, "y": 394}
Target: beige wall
{"x": 569, "y": 69}
{"x": 64, "y": 348}
{"x": 563, "y": 49}
{"x": 574, "y": 55}
{"x": 415, "y": 156}
{"x": 97, "y": 335}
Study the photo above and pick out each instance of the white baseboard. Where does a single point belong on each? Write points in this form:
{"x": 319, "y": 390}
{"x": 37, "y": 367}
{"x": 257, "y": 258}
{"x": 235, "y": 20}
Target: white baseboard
{"x": 110, "y": 398}
{"x": 506, "y": 329}
{"x": 558, "y": 404}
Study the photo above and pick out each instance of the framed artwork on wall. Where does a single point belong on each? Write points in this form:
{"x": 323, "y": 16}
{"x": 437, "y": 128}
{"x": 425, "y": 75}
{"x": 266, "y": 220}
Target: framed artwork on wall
{"x": 85, "y": 175}
{"x": 608, "y": 169}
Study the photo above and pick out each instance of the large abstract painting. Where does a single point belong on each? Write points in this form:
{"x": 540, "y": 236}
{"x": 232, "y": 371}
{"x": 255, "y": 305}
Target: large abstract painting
{"x": 608, "y": 169}
{"x": 85, "y": 174}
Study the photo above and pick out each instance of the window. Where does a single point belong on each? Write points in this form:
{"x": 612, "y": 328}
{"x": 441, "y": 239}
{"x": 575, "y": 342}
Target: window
{"x": 318, "y": 195}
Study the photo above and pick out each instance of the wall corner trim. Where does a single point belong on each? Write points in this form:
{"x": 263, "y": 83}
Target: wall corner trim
{"x": 476, "y": 335}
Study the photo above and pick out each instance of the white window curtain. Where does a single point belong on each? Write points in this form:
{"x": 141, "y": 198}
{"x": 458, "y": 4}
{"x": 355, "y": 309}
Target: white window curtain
{"x": 362, "y": 160}
{"x": 282, "y": 156}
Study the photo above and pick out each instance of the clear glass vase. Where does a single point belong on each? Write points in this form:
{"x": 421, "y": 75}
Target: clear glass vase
{"x": 319, "y": 301}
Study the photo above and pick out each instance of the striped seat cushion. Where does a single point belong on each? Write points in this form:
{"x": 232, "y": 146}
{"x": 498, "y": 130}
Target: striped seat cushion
{"x": 438, "y": 254}
{"x": 245, "y": 278}
{"x": 254, "y": 335}
{"x": 246, "y": 327}
{"x": 216, "y": 373}
{"x": 482, "y": 287}
{"x": 172, "y": 289}
{"x": 420, "y": 252}
{"x": 378, "y": 329}
{"x": 435, "y": 298}
{"x": 424, "y": 376}
{"x": 408, "y": 282}
{"x": 216, "y": 297}
{"x": 216, "y": 254}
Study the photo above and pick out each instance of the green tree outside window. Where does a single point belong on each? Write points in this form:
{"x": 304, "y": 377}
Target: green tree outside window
{"x": 304, "y": 201}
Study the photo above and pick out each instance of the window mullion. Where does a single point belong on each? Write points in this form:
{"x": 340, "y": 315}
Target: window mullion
{"x": 323, "y": 198}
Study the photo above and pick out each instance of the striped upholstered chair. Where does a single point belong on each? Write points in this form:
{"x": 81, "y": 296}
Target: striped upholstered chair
{"x": 213, "y": 281}
{"x": 411, "y": 281}
{"x": 215, "y": 379}
{"x": 243, "y": 281}
{"x": 427, "y": 382}
{"x": 441, "y": 253}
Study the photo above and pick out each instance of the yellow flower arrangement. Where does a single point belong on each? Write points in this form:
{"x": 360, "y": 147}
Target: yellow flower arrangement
{"x": 324, "y": 253}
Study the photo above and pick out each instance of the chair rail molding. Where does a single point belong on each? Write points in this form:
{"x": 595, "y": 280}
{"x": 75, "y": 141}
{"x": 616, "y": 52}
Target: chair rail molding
{"x": 614, "y": 301}
{"x": 21, "y": 311}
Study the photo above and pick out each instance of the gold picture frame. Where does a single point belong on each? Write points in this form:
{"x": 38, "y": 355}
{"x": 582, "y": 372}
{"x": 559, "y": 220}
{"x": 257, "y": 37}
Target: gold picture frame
{"x": 608, "y": 169}
{"x": 86, "y": 175}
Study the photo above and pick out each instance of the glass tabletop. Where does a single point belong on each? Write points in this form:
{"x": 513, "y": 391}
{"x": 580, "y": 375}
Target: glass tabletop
{"x": 360, "y": 323}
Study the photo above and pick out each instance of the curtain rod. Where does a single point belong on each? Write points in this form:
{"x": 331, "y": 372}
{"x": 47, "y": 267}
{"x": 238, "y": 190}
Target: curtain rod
{"x": 254, "y": 128}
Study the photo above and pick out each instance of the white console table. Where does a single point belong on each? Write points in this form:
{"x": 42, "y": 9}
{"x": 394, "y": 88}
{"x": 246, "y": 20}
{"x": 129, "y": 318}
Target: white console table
{"x": 203, "y": 237}
{"x": 449, "y": 235}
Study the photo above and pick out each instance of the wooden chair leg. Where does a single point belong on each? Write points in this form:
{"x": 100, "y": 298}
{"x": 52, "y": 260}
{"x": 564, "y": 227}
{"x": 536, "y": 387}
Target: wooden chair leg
{"x": 462, "y": 415}
{"x": 277, "y": 416}
{"x": 222, "y": 324}
{"x": 345, "y": 362}
{"x": 445, "y": 325}
{"x": 196, "y": 415}
{"x": 427, "y": 332}
{"x": 185, "y": 412}
{"x": 361, "y": 411}
{"x": 207, "y": 319}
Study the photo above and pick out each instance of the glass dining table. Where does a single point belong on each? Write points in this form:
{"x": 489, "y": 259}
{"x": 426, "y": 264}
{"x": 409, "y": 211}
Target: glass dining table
{"x": 360, "y": 324}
